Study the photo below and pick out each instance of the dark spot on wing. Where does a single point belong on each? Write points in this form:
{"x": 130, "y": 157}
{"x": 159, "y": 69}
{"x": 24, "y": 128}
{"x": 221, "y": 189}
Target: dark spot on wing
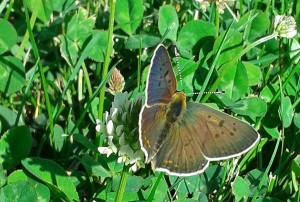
{"x": 234, "y": 123}
{"x": 231, "y": 133}
{"x": 217, "y": 135}
{"x": 158, "y": 84}
{"x": 221, "y": 123}
{"x": 166, "y": 73}
{"x": 209, "y": 116}
{"x": 234, "y": 129}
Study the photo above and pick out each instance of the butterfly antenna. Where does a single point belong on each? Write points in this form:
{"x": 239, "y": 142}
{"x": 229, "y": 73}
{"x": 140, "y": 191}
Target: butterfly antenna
{"x": 215, "y": 92}
{"x": 178, "y": 67}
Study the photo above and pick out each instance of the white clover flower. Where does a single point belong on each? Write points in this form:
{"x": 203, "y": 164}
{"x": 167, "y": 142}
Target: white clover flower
{"x": 110, "y": 127}
{"x": 111, "y": 148}
{"x": 114, "y": 112}
{"x": 121, "y": 123}
{"x": 220, "y": 4}
{"x": 122, "y": 139}
{"x": 137, "y": 160}
{"x": 125, "y": 154}
{"x": 100, "y": 127}
{"x": 285, "y": 26}
{"x": 119, "y": 130}
{"x": 106, "y": 116}
{"x": 124, "y": 116}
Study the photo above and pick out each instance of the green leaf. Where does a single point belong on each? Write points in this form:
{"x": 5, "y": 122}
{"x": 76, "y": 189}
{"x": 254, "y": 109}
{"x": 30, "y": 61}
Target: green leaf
{"x": 272, "y": 131}
{"x": 8, "y": 118}
{"x": 54, "y": 176}
{"x": 202, "y": 197}
{"x": 268, "y": 199}
{"x": 15, "y": 145}
{"x": 111, "y": 196}
{"x": 69, "y": 50}
{"x": 18, "y": 191}
{"x": 93, "y": 167}
{"x": 268, "y": 92}
{"x": 295, "y": 167}
{"x": 85, "y": 142}
{"x": 8, "y": 38}
{"x": 12, "y": 75}
{"x": 194, "y": 32}
{"x": 232, "y": 46}
{"x": 147, "y": 41}
{"x": 79, "y": 25}
{"x": 17, "y": 175}
{"x": 59, "y": 137}
{"x": 42, "y": 191}
{"x": 112, "y": 162}
{"x": 254, "y": 74}
{"x": 189, "y": 73}
{"x": 240, "y": 189}
{"x": 63, "y": 5}
{"x": 191, "y": 184}
{"x": 168, "y": 18}
{"x": 79, "y": 178}
{"x": 160, "y": 192}
{"x": 98, "y": 51}
{"x": 297, "y": 120}
{"x": 129, "y": 14}
{"x": 133, "y": 184}
{"x": 253, "y": 107}
{"x": 257, "y": 27}
{"x": 234, "y": 81}
{"x": 286, "y": 112}
{"x": 211, "y": 179}
{"x": 253, "y": 179}
{"x": 3, "y": 176}
{"x": 43, "y": 9}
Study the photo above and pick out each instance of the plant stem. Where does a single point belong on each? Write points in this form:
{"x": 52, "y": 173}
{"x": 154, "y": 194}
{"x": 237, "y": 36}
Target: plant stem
{"x": 152, "y": 193}
{"x": 122, "y": 185}
{"x": 41, "y": 70}
{"x": 106, "y": 62}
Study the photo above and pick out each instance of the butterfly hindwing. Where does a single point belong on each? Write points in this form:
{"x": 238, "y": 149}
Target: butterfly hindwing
{"x": 161, "y": 82}
{"x": 152, "y": 134}
{"x": 180, "y": 153}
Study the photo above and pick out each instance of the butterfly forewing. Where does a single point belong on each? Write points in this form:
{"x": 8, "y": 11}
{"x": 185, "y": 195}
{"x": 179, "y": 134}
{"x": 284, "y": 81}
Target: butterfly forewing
{"x": 220, "y": 135}
{"x": 161, "y": 83}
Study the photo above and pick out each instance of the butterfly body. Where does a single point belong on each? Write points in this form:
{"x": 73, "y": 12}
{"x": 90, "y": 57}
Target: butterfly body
{"x": 176, "y": 107}
{"x": 180, "y": 137}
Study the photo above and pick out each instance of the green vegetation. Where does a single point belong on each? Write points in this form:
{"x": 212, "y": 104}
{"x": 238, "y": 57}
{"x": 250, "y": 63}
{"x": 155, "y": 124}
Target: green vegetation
{"x": 67, "y": 134}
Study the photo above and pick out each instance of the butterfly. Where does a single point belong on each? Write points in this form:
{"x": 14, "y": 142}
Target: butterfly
{"x": 179, "y": 137}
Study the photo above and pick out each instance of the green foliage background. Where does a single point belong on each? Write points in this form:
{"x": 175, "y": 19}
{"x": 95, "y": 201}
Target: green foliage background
{"x": 56, "y": 57}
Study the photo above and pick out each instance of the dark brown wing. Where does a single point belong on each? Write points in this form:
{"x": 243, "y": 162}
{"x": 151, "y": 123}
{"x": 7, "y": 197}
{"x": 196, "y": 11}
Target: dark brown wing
{"x": 219, "y": 135}
{"x": 151, "y": 125}
{"x": 181, "y": 153}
